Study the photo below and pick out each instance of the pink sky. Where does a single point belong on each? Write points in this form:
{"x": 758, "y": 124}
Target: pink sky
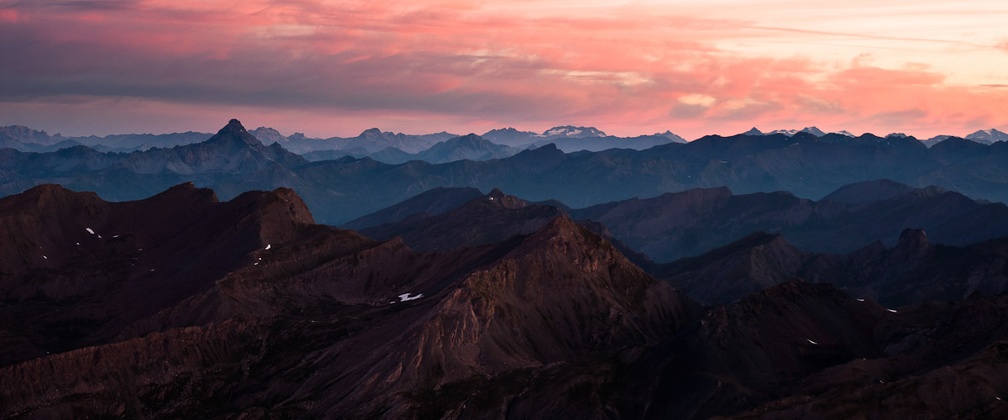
{"x": 335, "y": 68}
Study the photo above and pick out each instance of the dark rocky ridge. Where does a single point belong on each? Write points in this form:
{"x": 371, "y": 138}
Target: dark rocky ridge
{"x": 306, "y": 327}
{"x": 486, "y": 219}
{"x": 66, "y": 287}
{"x": 914, "y": 271}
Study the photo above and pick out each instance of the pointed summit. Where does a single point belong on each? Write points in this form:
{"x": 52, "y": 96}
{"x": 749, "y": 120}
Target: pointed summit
{"x": 234, "y": 133}
{"x": 988, "y": 136}
{"x": 499, "y": 199}
{"x": 753, "y": 132}
{"x": 233, "y": 126}
{"x": 813, "y": 130}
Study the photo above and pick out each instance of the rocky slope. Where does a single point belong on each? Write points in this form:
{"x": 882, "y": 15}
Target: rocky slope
{"x": 689, "y": 223}
{"x": 913, "y": 271}
{"x": 252, "y": 310}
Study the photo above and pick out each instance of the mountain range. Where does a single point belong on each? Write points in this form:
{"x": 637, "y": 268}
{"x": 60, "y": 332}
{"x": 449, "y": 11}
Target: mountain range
{"x": 914, "y": 271}
{"x": 234, "y": 161}
{"x": 259, "y": 308}
{"x": 563, "y": 274}
{"x": 392, "y": 147}
{"x": 181, "y": 305}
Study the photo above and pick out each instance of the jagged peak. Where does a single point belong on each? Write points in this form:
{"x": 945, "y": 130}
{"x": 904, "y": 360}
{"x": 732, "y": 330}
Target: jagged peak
{"x": 233, "y": 126}
{"x": 373, "y": 131}
{"x": 234, "y": 131}
{"x": 47, "y": 191}
{"x": 268, "y": 134}
{"x": 498, "y": 198}
{"x": 187, "y": 189}
{"x": 509, "y": 130}
{"x": 468, "y": 138}
{"x": 278, "y": 213}
{"x": 561, "y": 226}
{"x": 573, "y": 131}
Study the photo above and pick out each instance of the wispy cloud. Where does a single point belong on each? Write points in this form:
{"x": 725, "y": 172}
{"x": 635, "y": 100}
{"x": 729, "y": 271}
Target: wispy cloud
{"x": 628, "y": 67}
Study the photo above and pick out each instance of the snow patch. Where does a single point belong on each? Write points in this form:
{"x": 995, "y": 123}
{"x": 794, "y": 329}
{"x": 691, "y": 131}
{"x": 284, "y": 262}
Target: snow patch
{"x": 812, "y": 342}
{"x": 405, "y": 297}
{"x": 860, "y": 299}
{"x": 891, "y": 310}
{"x": 89, "y": 230}
{"x": 268, "y": 246}
{"x": 45, "y": 257}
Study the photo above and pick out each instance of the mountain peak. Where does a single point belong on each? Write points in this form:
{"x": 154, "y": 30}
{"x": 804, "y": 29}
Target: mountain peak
{"x": 572, "y": 131}
{"x": 233, "y": 133}
{"x": 371, "y": 132}
{"x": 471, "y": 137}
{"x": 813, "y": 130}
{"x": 988, "y": 136}
{"x": 233, "y": 126}
{"x": 753, "y": 132}
{"x": 268, "y": 135}
{"x": 497, "y": 198}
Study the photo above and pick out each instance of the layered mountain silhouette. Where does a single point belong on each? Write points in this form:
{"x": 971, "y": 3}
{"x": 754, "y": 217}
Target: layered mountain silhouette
{"x": 180, "y": 292}
{"x": 181, "y": 305}
{"x": 444, "y": 221}
{"x": 913, "y": 271}
{"x": 690, "y": 223}
{"x": 682, "y": 224}
{"x": 28, "y": 140}
{"x": 341, "y": 190}
{"x": 425, "y": 204}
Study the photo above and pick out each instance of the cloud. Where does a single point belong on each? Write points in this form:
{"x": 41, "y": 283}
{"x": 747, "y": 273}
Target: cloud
{"x": 631, "y": 68}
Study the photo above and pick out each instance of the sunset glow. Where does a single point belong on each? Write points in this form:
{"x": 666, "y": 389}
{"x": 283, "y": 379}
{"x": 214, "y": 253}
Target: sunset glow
{"x": 331, "y": 68}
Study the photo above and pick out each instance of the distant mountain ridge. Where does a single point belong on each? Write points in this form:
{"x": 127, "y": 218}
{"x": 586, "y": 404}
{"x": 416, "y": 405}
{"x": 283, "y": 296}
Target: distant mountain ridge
{"x": 913, "y": 271}
{"x": 988, "y": 136}
{"x": 805, "y": 165}
{"x": 694, "y": 222}
{"x": 675, "y": 225}
{"x": 373, "y": 140}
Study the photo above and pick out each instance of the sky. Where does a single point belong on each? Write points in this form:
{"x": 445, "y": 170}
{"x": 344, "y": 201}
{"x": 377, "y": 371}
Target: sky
{"x": 336, "y": 68}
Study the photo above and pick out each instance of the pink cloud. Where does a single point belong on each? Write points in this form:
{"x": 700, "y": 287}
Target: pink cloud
{"x": 459, "y": 67}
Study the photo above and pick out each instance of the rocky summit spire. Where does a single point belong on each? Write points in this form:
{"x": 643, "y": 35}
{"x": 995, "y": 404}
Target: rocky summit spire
{"x": 234, "y": 133}
{"x": 233, "y": 126}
